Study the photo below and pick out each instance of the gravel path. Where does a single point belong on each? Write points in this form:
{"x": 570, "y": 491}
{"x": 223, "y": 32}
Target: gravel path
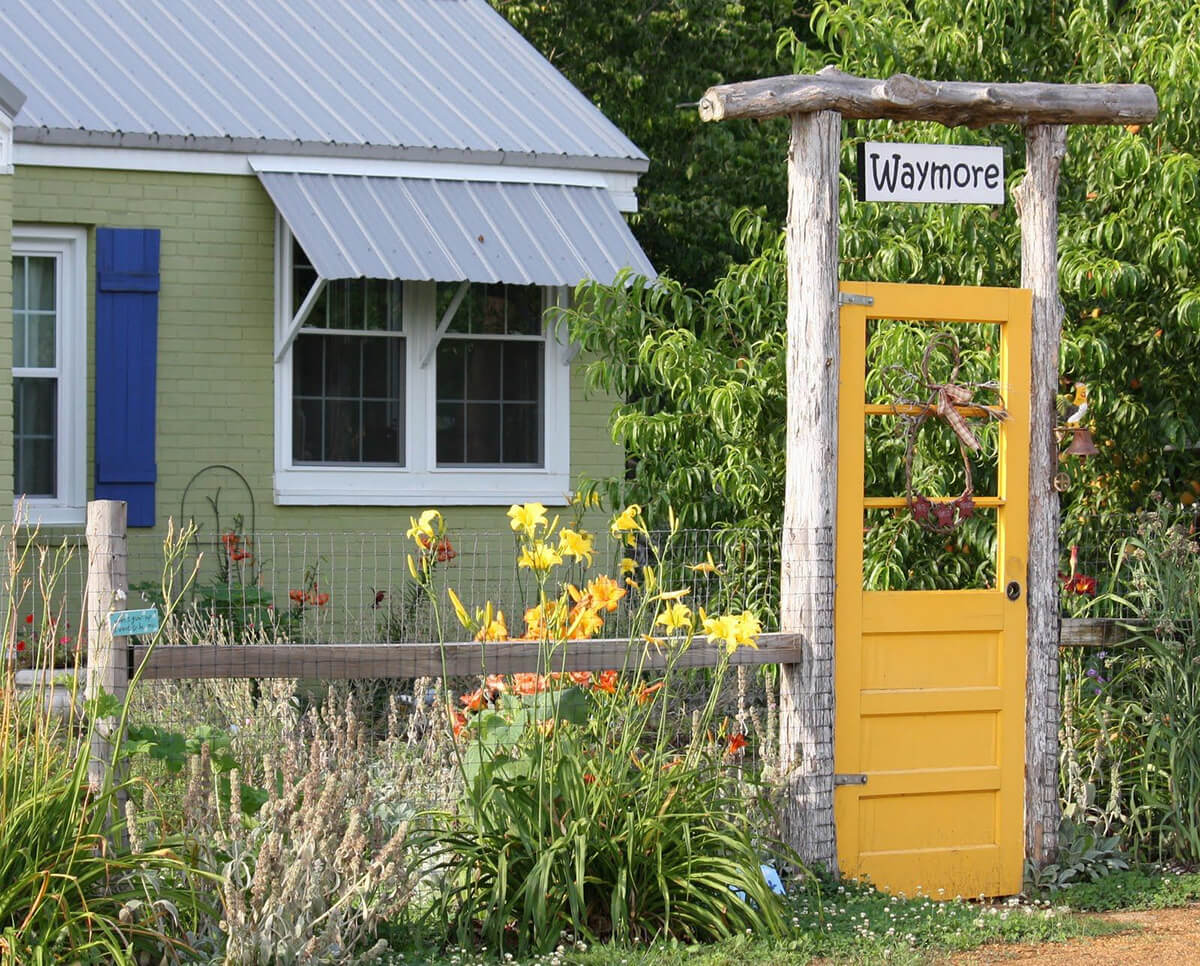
{"x": 1163, "y": 937}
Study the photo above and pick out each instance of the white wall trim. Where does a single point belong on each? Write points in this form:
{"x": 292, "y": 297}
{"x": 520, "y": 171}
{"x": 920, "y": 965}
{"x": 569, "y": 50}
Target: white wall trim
{"x": 6, "y": 144}
{"x": 619, "y": 184}
{"x": 70, "y": 247}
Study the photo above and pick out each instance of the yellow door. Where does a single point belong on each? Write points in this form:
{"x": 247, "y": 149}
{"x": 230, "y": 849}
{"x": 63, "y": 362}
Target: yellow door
{"x": 929, "y": 744}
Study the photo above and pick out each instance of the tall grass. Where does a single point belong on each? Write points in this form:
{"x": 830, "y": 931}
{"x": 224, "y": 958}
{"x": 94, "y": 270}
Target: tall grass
{"x": 71, "y": 890}
{"x": 1132, "y": 714}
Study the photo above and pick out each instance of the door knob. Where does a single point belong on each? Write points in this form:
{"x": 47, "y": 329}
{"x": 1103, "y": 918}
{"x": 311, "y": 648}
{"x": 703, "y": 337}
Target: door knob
{"x": 1013, "y": 590}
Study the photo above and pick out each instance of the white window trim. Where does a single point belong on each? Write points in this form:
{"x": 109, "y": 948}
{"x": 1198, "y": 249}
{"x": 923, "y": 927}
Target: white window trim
{"x": 69, "y": 246}
{"x": 420, "y": 482}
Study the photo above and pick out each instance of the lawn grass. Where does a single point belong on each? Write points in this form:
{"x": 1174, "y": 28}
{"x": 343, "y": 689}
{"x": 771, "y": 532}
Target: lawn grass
{"x": 838, "y": 923}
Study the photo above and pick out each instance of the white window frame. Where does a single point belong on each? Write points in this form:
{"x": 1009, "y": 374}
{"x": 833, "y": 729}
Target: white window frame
{"x": 420, "y": 482}
{"x": 69, "y": 247}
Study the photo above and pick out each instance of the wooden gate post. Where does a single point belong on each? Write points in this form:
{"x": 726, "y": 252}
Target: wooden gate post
{"x": 1037, "y": 207}
{"x": 810, "y": 488}
{"x": 107, "y": 588}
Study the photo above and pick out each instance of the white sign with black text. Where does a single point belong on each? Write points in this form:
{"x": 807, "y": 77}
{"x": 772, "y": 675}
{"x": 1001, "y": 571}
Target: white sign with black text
{"x": 946, "y": 173}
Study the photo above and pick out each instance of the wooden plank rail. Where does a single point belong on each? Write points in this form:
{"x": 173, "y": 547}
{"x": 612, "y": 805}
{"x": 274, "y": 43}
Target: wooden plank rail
{"x": 339, "y": 662}
{"x": 1095, "y": 632}
{"x": 902, "y": 97}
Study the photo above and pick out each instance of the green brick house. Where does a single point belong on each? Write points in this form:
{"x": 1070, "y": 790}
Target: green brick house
{"x": 312, "y": 242}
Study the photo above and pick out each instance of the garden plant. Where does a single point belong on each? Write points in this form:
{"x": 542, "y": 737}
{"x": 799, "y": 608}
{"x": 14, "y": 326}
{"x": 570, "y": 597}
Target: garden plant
{"x": 588, "y": 804}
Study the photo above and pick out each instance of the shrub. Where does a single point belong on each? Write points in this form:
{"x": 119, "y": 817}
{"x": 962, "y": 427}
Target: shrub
{"x": 588, "y": 803}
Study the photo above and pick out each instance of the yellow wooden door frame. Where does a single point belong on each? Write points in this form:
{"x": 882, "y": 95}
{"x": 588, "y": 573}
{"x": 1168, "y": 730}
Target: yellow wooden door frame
{"x": 962, "y": 769}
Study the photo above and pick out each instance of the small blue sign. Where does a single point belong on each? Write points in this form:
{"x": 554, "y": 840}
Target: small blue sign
{"x": 124, "y": 623}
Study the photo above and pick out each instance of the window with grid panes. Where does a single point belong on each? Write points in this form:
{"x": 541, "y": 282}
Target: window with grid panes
{"x": 48, "y": 315}
{"x": 490, "y": 377}
{"x": 348, "y": 371}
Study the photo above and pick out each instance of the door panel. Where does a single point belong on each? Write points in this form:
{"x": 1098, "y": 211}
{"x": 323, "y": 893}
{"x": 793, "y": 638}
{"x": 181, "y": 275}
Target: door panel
{"x": 931, "y": 684}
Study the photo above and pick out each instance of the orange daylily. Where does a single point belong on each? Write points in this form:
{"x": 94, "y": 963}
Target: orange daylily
{"x": 646, "y": 693}
{"x": 529, "y": 683}
{"x": 736, "y": 743}
{"x": 605, "y": 593}
{"x": 606, "y": 681}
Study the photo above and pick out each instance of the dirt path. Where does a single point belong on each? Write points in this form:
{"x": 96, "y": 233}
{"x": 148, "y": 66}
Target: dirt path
{"x": 1163, "y": 937}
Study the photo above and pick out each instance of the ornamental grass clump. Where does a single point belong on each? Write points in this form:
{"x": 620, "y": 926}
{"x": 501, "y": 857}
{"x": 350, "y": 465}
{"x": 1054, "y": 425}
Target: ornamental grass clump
{"x": 71, "y": 889}
{"x": 590, "y": 802}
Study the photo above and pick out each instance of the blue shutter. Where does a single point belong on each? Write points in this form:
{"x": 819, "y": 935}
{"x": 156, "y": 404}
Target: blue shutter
{"x": 126, "y": 366}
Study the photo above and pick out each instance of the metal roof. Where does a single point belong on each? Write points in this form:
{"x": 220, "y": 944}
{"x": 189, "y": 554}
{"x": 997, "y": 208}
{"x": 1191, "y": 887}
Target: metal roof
{"x": 377, "y": 77}
{"x": 353, "y": 226}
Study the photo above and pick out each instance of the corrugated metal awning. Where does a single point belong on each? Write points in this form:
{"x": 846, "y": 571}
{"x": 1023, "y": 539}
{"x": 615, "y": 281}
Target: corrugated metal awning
{"x": 353, "y": 226}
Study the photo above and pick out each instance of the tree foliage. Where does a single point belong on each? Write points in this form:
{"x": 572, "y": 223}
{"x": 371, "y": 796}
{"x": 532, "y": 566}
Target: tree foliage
{"x": 639, "y": 61}
{"x": 704, "y": 369}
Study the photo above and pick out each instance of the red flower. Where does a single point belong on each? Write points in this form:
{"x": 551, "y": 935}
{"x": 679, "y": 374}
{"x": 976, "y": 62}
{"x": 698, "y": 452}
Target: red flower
{"x": 241, "y": 555}
{"x": 588, "y": 778}
{"x": 736, "y": 743}
{"x": 28, "y": 618}
{"x": 444, "y": 550}
{"x": 1081, "y": 584}
{"x": 231, "y": 540}
{"x": 297, "y": 596}
{"x": 20, "y": 645}
{"x": 458, "y": 723}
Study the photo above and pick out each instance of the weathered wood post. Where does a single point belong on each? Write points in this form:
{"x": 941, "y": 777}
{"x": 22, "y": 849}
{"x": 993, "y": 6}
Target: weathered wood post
{"x": 806, "y": 702}
{"x": 1037, "y": 208}
{"x": 107, "y": 589}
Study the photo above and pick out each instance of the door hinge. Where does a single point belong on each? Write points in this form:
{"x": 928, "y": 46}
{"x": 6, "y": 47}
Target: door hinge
{"x": 858, "y": 779}
{"x": 850, "y": 298}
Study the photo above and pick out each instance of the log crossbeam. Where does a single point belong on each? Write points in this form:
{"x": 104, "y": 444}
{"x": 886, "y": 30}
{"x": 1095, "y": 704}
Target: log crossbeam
{"x": 902, "y": 97}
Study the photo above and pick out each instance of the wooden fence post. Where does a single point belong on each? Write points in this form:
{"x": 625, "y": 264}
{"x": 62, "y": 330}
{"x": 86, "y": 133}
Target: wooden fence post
{"x": 107, "y": 589}
{"x": 810, "y": 488}
{"x": 1037, "y": 207}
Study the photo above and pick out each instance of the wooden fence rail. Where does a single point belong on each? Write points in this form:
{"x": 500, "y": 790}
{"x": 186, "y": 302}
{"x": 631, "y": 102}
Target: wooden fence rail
{"x": 349, "y": 661}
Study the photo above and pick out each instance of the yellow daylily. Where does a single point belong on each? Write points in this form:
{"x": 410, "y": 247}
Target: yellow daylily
{"x": 540, "y": 557}
{"x": 585, "y": 499}
{"x": 461, "y": 612}
{"x": 628, "y": 565}
{"x": 494, "y": 628}
{"x": 673, "y": 594}
{"x": 627, "y": 519}
{"x": 527, "y": 517}
{"x": 675, "y": 617}
{"x": 707, "y": 566}
{"x": 422, "y": 529}
{"x": 732, "y": 630}
{"x": 577, "y": 544}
